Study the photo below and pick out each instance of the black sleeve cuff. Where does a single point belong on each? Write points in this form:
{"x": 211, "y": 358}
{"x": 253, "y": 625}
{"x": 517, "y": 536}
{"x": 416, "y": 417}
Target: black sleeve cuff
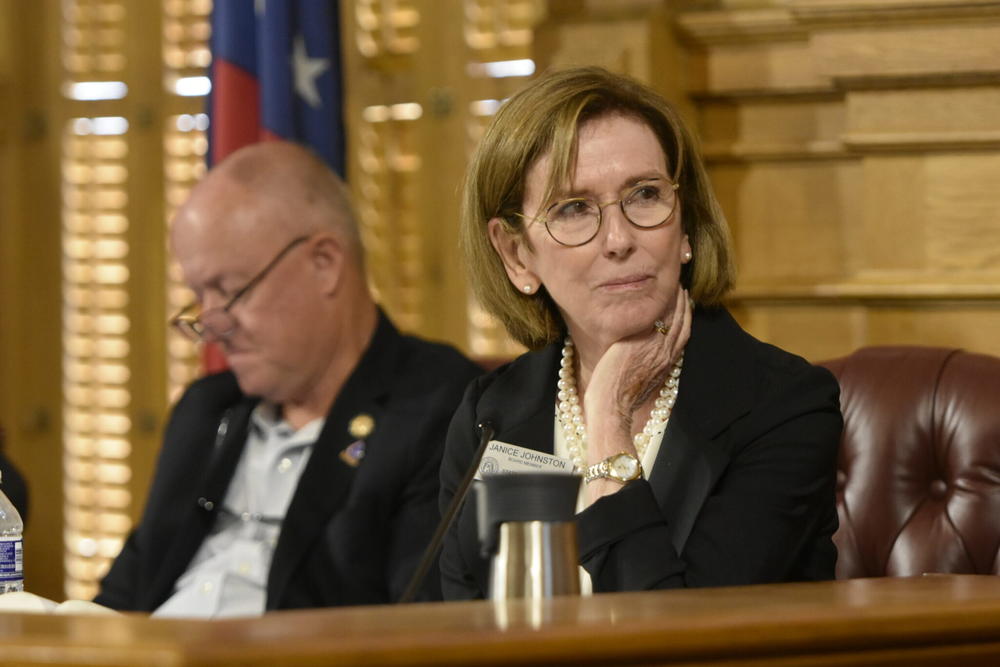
{"x": 611, "y": 518}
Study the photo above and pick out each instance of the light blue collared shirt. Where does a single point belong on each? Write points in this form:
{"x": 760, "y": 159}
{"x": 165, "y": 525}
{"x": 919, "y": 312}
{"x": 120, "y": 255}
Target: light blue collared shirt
{"x": 228, "y": 574}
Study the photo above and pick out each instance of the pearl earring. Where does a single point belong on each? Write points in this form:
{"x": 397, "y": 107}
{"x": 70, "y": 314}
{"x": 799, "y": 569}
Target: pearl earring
{"x": 528, "y": 289}
{"x": 687, "y": 255}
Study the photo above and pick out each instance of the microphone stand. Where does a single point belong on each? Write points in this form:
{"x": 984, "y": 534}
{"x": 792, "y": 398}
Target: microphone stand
{"x": 486, "y": 431}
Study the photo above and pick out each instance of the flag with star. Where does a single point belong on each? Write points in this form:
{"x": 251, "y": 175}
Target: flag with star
{"x": 276, "y": 74}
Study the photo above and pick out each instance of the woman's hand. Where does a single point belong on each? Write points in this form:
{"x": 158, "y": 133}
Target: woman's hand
{"x": 624, "y": 384}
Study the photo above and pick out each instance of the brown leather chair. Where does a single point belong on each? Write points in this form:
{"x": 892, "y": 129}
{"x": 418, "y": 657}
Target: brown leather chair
{"x": 919, "y": 471}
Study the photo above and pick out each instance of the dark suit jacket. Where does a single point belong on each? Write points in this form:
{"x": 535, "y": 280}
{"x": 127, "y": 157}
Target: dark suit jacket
{"x": 742, "y": 491}
{"x": 352, "y": 535}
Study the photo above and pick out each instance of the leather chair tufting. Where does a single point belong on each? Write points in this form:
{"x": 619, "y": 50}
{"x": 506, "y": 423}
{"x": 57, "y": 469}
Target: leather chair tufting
{"x": 919, "y": 471}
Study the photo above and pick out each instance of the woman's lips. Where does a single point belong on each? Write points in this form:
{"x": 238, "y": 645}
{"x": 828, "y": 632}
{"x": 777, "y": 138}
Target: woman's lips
{"x": 626, "y": 283}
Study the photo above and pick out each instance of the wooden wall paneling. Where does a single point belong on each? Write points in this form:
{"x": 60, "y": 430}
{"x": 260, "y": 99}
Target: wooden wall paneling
{"x": 30, "y": 373}
{"x": 760, "y": 49}
{"x": 936, "y": 215}
{"x": 146, "y": 108}
{"x": 814, "y": 329}
{"x": 963, "y": 211}
{"x": 771, "y": 127}
{"x": 894, "y": 223}
{"x": 924, "y": 119}
{"x": 823, "y": 329}
{"x": 922, "y": 85}
{"x": 405, "y": 139}
{"x": 438, "y": 185}
{"x": 942, "y": 51}
{"x": 894, "y": 236}
{"x": 468, "y": 41}
{"x": 616, "y": 37}
{"x": 635, "y": 38}
{"x": 114, "y": 382}
{"x": 788, "y": 234}
{"x": 8, "y": 237}
{"x": 932, "y": 169}
{"x": 962, "y": 323}
{"x": 923, "y": 94}
{"x": 858, "y": 12}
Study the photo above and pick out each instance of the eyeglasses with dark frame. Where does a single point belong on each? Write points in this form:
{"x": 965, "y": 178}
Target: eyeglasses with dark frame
{"x": 576, "y": 221}
{"x": 216, "y": 323}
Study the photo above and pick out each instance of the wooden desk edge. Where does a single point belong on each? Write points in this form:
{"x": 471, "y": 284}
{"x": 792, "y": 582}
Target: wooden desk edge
{"x": 947, "y": 616}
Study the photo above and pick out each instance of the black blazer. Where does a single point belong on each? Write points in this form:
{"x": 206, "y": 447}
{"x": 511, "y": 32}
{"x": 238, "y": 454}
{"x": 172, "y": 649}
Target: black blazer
{"x": 352, "y": 535}
{"x": 742, "y": 490}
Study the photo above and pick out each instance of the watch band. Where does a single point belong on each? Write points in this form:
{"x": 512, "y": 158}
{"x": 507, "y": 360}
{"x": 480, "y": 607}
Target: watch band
{"x": 597, "y": 471}
{"x": 622, "y": 468}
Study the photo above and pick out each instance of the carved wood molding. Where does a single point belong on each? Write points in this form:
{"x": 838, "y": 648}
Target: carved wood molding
{"x": 856, "y": 12}
{"x": 796, "y": 19}
{"x": 867, "y": 142}
{"x": 930, "y": 293}
{"x": 917, "y": 81}
{"x": 739, "y": 25}
{"x": 877, "y": 46}
{"x": 813, "y": 150}
{"x": 787, "y": 94}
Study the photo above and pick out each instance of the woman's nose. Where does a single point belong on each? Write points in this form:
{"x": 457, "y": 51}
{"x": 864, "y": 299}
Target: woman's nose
{"x": 619, "y": 234}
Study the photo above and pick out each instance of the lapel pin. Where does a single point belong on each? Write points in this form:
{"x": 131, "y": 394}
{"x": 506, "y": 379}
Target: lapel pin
{"x": 353, "y": 453}
{"x": 361, "y": 426}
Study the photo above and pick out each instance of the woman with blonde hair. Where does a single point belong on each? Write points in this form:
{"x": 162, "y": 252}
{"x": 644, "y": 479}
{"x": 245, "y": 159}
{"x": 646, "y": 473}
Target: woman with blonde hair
{"x": 592, "y": 233}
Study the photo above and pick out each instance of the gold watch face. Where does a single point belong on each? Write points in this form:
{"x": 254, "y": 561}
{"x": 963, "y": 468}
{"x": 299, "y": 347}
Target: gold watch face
{"x": 625, "y": 467}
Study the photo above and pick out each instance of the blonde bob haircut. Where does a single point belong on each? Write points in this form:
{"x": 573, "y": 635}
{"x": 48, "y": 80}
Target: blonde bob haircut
{"x": 545, "y": 117}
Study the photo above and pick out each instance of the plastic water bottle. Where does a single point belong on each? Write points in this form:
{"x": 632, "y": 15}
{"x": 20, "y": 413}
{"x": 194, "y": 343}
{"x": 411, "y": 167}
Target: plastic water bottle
{"x": 11, "y": 547}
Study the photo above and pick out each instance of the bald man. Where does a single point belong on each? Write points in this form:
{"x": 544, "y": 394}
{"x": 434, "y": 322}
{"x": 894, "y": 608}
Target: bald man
{"x": 307, "y": 475}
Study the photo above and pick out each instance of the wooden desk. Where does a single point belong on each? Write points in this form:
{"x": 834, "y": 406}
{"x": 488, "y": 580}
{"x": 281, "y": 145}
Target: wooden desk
{"x": 917, "y": 621}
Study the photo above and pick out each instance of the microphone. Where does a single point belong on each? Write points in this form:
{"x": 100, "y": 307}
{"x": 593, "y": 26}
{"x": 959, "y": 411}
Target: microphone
{"x": 486, "y": 432}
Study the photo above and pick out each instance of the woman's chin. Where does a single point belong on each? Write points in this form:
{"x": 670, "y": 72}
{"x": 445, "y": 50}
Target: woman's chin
{"x": 618, "y": 320}
{"x": 612, "y": 330}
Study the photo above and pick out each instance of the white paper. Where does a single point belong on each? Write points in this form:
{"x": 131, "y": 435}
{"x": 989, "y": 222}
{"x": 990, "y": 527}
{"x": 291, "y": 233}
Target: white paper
{"x": 25, "y": 602}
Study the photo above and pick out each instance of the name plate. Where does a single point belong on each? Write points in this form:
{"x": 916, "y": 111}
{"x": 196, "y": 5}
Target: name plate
{"x": 502, "y": 458}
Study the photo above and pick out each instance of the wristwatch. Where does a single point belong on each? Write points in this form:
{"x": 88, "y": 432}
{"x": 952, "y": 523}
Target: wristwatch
{"x": 621, "y": 468}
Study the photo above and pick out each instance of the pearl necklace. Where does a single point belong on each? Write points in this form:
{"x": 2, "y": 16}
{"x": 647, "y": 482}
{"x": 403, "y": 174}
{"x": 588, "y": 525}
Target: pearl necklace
{"x": 571, "y": 414}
